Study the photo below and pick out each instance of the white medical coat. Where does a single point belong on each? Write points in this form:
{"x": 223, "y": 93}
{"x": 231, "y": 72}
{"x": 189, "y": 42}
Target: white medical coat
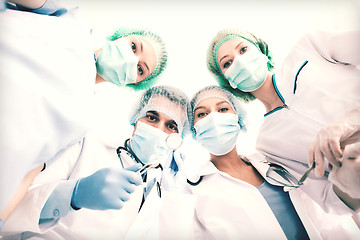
{"x": 319, "y": 82}
{"x": 48, "y": 75}
{"x": 160, "y": 218}
{"x": 228, "y": 208}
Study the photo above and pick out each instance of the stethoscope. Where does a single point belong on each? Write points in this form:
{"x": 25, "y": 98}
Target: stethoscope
{"x": 173, "y": 141}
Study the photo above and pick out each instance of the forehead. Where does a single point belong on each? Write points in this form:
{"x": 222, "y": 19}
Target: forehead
{"x": 162, "y": 104}
{"x": 210, "y": 97}
{"x": 230, "y": 45}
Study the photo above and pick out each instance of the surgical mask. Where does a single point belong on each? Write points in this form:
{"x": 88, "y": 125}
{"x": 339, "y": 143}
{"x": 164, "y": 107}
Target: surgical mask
{"x": 117, "y": 63}
{"x": 218, "y": 132}
{"x": 248, "y": 71}
{"x": 149, "y": 144}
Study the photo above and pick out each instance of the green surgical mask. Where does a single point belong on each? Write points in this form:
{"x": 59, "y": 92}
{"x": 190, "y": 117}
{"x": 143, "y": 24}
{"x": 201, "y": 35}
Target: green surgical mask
{"x": 248, "y": 71}
{"x": 117, "y": 63}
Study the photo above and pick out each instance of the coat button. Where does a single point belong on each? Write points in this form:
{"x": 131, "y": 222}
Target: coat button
{"x": 56, "y": 213}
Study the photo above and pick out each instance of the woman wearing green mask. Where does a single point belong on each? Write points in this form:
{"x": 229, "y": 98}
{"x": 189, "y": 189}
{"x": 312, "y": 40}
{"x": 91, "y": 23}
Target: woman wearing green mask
{"x": 131, "y": 57}
{"x": 314, "y": 91}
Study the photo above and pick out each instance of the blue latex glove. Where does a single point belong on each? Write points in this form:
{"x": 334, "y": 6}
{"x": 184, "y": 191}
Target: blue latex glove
{"x": 107, "y": 188}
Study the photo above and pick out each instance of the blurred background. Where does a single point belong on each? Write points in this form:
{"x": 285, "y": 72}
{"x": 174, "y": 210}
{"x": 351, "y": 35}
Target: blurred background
{"x": 187, "y": 28}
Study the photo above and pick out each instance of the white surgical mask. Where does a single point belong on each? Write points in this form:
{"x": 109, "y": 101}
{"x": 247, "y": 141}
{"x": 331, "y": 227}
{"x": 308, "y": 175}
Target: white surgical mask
{"x": 117, "y": 63}
{"x": 248, "y": 71}
{"x": 149, "y": 144}
{"x": 218, "y": 132}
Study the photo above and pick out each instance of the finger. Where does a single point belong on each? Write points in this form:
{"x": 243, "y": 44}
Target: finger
{"x": 312, "y": 154}
{"x": 319, "y": 160}
{"x": 129, "y": 188}
{"x": 117, "y": 205}
{"x": 124, "y": 196}
{"x": 134, "y": 167}
{"x": 334, "y": 145}
{"x": 135, "y": 178}
{"x": 326, "y": 151}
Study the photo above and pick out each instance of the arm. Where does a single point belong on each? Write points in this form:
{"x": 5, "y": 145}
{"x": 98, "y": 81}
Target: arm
{"x": 31, "y": 4}
{"x": 20, "y": 193}
{"x": 336, "y": 47}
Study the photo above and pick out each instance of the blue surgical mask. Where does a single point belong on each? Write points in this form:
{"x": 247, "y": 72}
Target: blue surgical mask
{"x": 218, "y": 132}
{"x": 248, "y": 71}
{"x": 149, "y": 144}
{"x": 117, "y": 63}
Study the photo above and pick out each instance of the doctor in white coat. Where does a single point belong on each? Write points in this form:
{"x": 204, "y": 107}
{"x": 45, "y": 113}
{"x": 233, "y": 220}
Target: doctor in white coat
{"x": 247, "y": 198}
{"x": 316, "y": 86}
{"x": 157, "y": 208}
{"x": 49, "y": 71}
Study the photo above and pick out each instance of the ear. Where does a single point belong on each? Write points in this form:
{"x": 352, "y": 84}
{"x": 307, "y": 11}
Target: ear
{"x": 134, "y": 130}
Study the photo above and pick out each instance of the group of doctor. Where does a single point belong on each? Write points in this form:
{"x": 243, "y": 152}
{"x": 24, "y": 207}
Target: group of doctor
{"x": 82, "y": 188}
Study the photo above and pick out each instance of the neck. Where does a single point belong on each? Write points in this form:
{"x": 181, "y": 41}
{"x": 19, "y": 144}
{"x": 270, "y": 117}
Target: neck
{"x": 268, "y": 95}
{"x": 99, "y": 79}
{"x": 232, "y": 164}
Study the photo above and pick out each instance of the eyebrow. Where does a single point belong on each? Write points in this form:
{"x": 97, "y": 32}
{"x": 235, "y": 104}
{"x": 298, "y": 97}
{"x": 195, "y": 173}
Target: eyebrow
{"x": 198, "y": 108}
{"x": 153, "y": 112}
{"x": 219, "y": 103}
{"x": 146, "y": 66}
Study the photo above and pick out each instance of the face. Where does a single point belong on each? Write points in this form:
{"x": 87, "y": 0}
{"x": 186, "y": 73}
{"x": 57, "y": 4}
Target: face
{"x": 161, "y": 121}
{"x": 145, "y": 52}
{"x": 212, "y": 104}
{"x": 231, "y": 49}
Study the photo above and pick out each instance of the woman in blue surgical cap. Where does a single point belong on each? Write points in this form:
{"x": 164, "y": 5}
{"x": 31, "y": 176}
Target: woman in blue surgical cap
{"x": 237, "y": 198}
{"x": 312, "y": 106}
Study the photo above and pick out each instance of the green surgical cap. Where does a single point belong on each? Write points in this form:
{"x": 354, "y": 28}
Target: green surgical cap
{"x": 160, "y": 50}
{"x": 165, "y": 99}
{"x": 218, "y": 92}
{"x": 211, "y": 58}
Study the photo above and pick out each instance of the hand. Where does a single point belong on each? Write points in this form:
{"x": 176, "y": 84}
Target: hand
{"x": 330, "y": 141}
{"x": 107, "y": 188}
{"x": 171, "y": 180}
{"x": 347, "y": 176}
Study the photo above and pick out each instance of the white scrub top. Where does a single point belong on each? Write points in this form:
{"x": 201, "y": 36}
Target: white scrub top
{"x": 228, "y": 208}
{"x": 319, "y": 82}
{"x": 48, "y": 75}
{"x": 157, "y": 219}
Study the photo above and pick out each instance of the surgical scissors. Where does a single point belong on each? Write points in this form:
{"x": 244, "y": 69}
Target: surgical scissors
{"x": 306, "y": 174}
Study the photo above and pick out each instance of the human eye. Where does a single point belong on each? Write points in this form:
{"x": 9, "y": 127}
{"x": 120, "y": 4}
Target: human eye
{"x": 133, "y": 47}
{"x": 173, "y": 127}
{"x": 140, "y": 70}
{"x": 227, "y": 64}
{"x": 224, "y": 109}
{"x": 201, "y": 114}
{"x": 243, "y": 50}
{"x": 151, "y": 118}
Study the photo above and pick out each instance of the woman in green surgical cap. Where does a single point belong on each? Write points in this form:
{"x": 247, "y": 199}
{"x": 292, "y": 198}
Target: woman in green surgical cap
{"x": 131, "y": 57}
{"x": 312, "y": 106}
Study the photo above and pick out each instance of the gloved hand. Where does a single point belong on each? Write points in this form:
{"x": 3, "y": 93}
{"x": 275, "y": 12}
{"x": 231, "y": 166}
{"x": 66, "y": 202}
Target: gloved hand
{"x": 331, "y": 139}
{"x": 347, "y": 176}
{"x": 107, "y": 188}
{"x": 171, "y": 180}
{"x": 1, "y": 224}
